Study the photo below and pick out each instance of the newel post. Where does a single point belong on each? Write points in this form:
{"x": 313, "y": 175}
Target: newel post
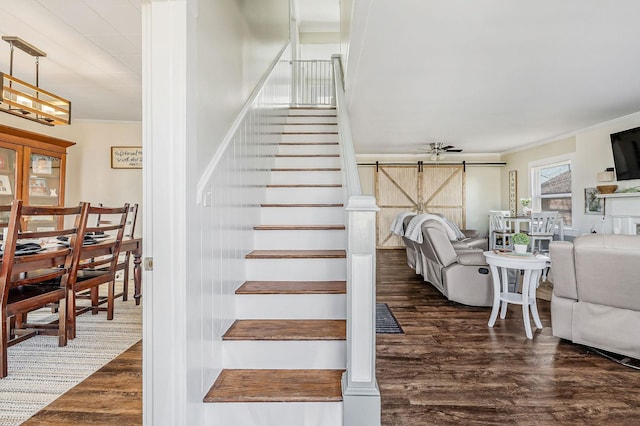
{"x": 359, "y": 385}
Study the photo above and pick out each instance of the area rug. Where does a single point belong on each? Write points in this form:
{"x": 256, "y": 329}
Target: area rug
{"x": 40, "y": 371}
{"x": 386, "y": 323}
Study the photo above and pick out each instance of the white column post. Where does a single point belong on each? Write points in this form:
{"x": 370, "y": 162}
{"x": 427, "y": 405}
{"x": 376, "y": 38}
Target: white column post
{"x": 359, "y": 385}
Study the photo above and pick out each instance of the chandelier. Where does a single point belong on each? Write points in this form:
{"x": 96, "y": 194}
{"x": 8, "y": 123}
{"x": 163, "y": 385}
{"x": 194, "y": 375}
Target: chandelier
{"x": 26, "y": 100}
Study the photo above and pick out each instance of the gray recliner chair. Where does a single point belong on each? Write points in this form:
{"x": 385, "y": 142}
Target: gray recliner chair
{"x": 596, "y": 292}
{"x": 413, "y": 252}
{"x": 462, "y": 275}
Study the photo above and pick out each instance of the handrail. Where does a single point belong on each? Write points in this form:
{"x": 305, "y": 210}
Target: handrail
{"x": 344, "y": 131}
{"x": 208, "y": 171}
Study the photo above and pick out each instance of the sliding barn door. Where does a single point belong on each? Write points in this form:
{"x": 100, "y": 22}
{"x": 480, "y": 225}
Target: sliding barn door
{"x": 418, "y": 189}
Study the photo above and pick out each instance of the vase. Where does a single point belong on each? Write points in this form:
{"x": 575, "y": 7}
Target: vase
{"x": 526, "y": 211}
{"x": 520, "y": 248}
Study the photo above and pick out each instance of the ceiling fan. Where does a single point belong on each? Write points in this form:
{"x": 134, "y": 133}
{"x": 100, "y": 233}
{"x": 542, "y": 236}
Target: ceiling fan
{"x": 438, "y": 149}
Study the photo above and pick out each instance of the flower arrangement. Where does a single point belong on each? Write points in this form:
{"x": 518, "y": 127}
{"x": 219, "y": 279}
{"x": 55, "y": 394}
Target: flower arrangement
{"x": 525, "y": 202}
{"x": 520, "y": 239}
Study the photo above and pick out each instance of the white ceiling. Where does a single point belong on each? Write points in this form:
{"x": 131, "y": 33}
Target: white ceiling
{"x": 485, "y": 76}
{"x": 489, "y": 75}
{"x": 93, "y": 52}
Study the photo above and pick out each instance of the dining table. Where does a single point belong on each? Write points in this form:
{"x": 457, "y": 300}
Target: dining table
{"x": 133, "y": 245}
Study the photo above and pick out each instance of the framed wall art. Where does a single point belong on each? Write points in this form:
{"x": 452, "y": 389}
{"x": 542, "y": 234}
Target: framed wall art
{"x": 513, "y": 192}
{"x": 126, "y": 157}
{"x": 592, "y": 204}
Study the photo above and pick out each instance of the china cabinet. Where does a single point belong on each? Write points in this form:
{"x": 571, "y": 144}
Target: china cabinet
{"x": 32, "y": 168}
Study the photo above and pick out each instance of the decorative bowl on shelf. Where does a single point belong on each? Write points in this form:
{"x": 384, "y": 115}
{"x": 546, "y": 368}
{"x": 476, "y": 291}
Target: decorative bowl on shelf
{"x": 607, "y": 189}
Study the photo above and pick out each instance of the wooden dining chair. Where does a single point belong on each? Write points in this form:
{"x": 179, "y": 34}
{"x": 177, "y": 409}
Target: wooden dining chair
{"x": 98, "y": 261}
{"x": 125, "y": 257}
{"x": 36, "y": 266}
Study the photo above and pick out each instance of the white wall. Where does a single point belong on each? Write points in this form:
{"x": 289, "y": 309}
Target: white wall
{"x": 89, "y": 174}
{"x": 203, "y": 60}
{"x": 592, "y": 154}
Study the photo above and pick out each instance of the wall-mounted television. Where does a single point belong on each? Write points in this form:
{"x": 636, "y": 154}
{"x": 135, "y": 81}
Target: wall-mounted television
{"x": 626, "y": 153}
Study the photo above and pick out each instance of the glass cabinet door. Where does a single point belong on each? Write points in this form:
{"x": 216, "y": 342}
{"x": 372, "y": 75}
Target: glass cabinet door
{"x": 8, "y": 175}
{"x": 44, "y": 180}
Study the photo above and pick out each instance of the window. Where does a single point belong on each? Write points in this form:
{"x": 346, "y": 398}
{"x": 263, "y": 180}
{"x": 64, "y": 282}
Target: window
{"x": 551, "y": 188}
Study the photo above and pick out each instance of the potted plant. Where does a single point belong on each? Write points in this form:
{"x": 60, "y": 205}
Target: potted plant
{"x": 520, "y": 242}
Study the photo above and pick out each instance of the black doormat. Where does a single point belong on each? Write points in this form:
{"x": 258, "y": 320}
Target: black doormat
{"x": 386, "y": 323}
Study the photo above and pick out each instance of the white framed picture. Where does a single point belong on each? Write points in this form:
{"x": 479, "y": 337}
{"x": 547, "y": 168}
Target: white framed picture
{"x": 5, "y": 185}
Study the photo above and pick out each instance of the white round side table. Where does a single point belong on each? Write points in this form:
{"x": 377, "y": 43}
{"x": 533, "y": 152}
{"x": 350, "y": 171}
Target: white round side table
{"x": 533, "y": 267}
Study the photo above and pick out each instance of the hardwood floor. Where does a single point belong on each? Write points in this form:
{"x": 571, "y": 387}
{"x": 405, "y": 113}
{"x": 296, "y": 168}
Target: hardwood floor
{"x": 110, "y": 396}
{"x": 451, "y": 368}
{"x": 448, "y": 368}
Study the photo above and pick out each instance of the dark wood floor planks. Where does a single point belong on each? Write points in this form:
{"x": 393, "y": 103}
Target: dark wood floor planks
{"x": 451, "y": 368}
{"x": 448, "y": 368}
{"x": 110, "y": 396}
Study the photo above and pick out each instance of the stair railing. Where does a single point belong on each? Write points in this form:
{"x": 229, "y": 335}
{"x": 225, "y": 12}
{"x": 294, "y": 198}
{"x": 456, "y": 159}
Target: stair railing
{"x": 311, "y": 83}
{"x": 360, "y": 391}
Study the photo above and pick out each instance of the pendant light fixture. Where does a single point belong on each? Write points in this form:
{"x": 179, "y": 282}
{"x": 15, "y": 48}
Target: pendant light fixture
{"x": 25, "y": 100}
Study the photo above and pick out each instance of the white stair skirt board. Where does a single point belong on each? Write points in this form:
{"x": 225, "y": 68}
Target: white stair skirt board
{"x": 291, "y": 306}
{"x": 312, "y": 137}
{"x": 304, "y": 195}
{"x": 302, "y": 215}
{"x": 309, "y": 149}
{"x": 299, "y": 239}
{"x": 310, "y": 127}
{"x": 307, "y": 162}
{"x": 275, "y": 413}
{"x": 318, "y": 118}
{"x": 307, "y": 354}
{"x": 306, "y": 177}
{"x": 296, "y": 269}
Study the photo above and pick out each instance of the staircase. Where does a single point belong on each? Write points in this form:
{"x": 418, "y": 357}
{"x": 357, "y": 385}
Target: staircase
{"x": 285, "y": 353}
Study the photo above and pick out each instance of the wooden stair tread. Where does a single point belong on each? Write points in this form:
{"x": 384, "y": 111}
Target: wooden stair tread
{"x": 296, "y": 254}
{"x": 308, "y": 155}
{"x": 309, "y": 133}
{"x": 276, "y": 386}
{"x": 293, "y": 287}
{"x": 308, "y": 143}
{"x": 306, "y": 329}
{"x": 311, "y": 124}
{"x": 310, "y": 169}
{"x": 302, "y": 205}
{"x": 299, "y": 227}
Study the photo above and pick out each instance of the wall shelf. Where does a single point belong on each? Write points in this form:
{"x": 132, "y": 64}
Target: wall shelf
{"x": 619, "y": 195}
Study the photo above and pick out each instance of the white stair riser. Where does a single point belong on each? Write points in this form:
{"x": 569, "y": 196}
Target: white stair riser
{"x": 299, "y": 239}
{"x": 330, "y": 119}
{"x": 298, "y": 177}
{"x": 266, "y": 354}
{"x": 310, "y": 127}
{"x": 298, "y": 137}
{"x": 307, "y": 162}
{"x": 291, "y": 306}
{"x": 304, "y": 195}
{"x": 311, "y": 111}
{"x": 302, "y": 215}
{"x": 275, "y": 414}
{"x": 296, "y": 269}
{"x": 307, "y": 148}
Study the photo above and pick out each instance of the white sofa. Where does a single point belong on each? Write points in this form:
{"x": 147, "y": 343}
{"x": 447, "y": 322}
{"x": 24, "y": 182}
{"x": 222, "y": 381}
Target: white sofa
{"x": 596, "y": 292}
